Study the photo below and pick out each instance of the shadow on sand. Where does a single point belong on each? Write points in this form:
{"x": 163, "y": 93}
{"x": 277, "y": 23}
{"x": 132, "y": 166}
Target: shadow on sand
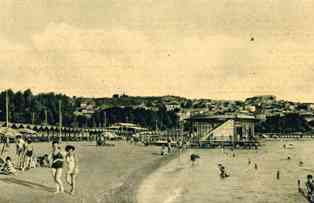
{"x": 27, "y": 184}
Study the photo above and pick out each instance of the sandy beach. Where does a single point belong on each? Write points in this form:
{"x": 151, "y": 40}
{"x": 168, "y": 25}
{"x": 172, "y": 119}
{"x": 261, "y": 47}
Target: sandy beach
{"x": 107, "y": 174}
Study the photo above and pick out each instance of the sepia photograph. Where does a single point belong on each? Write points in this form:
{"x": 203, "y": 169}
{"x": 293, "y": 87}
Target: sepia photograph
{"x": 156, "y": 101}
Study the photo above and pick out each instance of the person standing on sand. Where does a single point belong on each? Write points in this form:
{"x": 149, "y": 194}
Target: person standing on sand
{"x": 310, "y": 188}
{"x": 169, "y": 145}
{"x": 57, "y": 166}
{"x": 72, "y": 166}
{"x": 20, "y": 149}
{"x": 29, "y": 151}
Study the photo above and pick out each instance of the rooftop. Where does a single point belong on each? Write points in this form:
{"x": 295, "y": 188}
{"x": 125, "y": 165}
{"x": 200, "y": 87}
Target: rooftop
{"x": 222, "y": 117}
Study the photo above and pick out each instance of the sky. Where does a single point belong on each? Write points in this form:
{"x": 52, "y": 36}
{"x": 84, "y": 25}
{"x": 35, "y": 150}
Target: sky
{"x": 226, "y": 49}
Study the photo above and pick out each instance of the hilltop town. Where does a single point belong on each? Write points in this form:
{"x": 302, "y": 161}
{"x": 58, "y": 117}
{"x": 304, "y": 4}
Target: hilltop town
{"x": 261, "y": 106}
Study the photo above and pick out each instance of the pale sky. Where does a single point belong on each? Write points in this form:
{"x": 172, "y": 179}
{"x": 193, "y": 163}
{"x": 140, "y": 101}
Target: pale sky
{"x": 191, "y": 48}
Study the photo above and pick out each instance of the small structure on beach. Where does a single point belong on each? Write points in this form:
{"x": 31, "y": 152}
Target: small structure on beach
{"x": 126, "y": 129}
{"x": 223, "y": 129}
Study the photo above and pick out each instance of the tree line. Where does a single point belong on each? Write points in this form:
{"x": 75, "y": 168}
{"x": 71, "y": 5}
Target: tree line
{"x": 26, "y": 107}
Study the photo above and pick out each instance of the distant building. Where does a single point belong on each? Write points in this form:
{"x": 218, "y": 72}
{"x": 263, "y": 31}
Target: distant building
{"x": 251, "y": 108}
{"x": 115, "y": 96}
{"x": 261, "y": 99}
{"x": 171, "y": 106}
{"x": 234, "y": 128}
{"x": 310, "y": 106}
{"x": 126, "y": 129}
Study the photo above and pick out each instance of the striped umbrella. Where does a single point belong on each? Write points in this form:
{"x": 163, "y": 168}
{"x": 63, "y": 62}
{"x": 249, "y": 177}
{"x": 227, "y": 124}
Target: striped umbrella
{"x": 9, "y": 132}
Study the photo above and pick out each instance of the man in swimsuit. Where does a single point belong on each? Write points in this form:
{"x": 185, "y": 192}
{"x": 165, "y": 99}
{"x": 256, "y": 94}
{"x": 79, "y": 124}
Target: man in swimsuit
{"x": 28, "y": 154}
{"x": 20, "y": 149}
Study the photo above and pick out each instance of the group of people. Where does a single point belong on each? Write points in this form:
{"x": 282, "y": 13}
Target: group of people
{"x": 24, "y": 158}
{"x": 57, "y": 164}
{"x": 181, "y": 145}
{"x": 57, "y": 160}
{"x": 24, "y": 153}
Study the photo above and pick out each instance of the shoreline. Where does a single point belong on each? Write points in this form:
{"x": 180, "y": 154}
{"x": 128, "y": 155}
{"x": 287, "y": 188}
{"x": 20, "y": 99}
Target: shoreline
{"x": 127, "y": 192}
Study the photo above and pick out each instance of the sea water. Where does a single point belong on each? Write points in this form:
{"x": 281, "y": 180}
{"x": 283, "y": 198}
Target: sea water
{"x": 180, "y": 182}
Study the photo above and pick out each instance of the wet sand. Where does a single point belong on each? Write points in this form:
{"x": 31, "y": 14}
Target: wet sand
{"x": 107, "y": 174}
{"x": 179, "y": 182}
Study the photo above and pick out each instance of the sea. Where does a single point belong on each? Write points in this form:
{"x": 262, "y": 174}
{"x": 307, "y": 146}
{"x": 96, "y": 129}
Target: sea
{"x": 180, "y": 182}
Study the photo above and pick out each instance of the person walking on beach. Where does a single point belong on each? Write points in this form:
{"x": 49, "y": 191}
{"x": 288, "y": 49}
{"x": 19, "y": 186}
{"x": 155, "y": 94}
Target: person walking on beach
{"x": 72, "y": 167}
{"x": 169, "y": 145}
{"x": 28, "y": 154}
{"x": 57, "y": 166}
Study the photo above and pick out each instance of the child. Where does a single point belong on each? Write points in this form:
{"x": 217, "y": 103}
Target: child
{"x": 43, "y": 161}
{"x": 163, "y": 151}
{"x": 9, "y": 167}
{"x": 57, "y": 166}
{"x": 28, "y": 154}
{"x": 72, "y": 166}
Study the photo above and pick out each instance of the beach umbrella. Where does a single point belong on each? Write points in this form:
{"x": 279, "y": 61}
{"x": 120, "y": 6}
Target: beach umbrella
{"x": 9, "y": 132}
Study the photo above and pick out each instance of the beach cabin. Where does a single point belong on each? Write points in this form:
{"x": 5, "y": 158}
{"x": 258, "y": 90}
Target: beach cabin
{"x": 224, "y": 129}
{"x": 126, "y": 129}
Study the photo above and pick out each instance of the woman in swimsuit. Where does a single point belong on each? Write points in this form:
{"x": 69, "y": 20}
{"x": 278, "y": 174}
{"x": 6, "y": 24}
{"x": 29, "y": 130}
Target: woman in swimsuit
{"x": 57, "y": 165}
{"x": 29, "y": 148}
{"x": 72, "y": 166}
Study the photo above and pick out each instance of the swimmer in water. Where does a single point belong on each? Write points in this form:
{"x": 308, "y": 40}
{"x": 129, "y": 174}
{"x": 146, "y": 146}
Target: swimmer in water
{"x": 278, "y": 175}
{"x": 223, "y": 173}
{"x": 194, "y": 158}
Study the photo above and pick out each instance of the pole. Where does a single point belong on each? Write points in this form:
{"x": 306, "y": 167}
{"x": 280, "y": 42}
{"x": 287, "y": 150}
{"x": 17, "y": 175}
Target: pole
{"x": 7, "y": 120}
{"x": 7, "y": 108}
{"x": 46, "y": 117}
{"x": 60, "y": 121}
{"x": 46, "y": 124}
{"x": 105, "y": 119}
{"x": 33, "y": 118}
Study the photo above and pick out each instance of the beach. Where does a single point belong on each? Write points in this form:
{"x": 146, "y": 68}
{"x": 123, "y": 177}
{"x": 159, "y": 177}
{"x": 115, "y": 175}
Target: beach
{"x": 179, "y": 182}
{"x": 128, "y": 173}
{"x": 107, "y": 174}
